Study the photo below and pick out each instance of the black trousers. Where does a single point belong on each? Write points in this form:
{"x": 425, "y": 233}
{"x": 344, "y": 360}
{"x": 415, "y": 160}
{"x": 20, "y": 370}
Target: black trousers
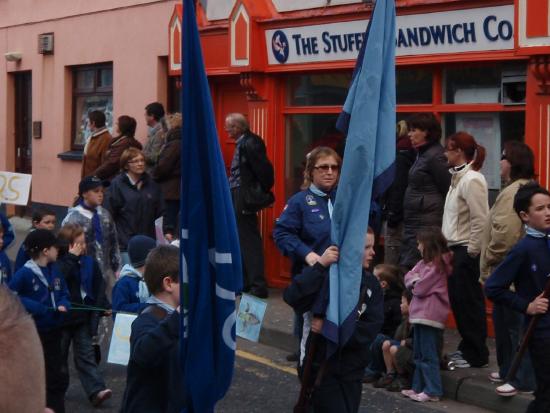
{"x": 251, "y": 247}
{"x": 334, "y": 395}
{"x": 468, "y": 305}
{"x": 57, "y": 380}
{"x": 540, "y": 356}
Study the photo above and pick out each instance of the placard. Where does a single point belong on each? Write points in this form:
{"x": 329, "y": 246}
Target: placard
{"x": 119, "y": 350}
{"x": 14, "y": 188}
{"x": 250, "y": 317}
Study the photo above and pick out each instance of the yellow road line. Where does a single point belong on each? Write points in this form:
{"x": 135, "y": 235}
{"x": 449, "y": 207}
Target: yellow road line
{"x": 262, "y": 360}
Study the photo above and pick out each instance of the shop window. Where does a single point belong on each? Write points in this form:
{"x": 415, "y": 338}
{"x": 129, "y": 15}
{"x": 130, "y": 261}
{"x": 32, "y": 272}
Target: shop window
{"x": 304, "y": 132}
{"x": 414, "y": 86}
{"x": 472, "y": 84}
{"x": 327, "y": 89}
{"x": 492, "y": 130}
{"x": 92, "y": 90}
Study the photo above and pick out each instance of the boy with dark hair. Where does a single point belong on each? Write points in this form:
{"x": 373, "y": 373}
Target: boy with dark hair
{"x": 154, "y": 381}
{"x": 5, "y": 265}
{"x": 43, "y": 218}
{"x": 44, "y": 294}
{"x": 527, "y": 266}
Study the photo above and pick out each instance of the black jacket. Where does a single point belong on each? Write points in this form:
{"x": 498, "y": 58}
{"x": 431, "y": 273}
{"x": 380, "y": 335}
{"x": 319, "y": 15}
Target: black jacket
{"x": 254, "y": 164}
{"x": 393, "y": 209}
{"x": 349, "y": 362}
{"x": 392, "y": 311}
{"x": 134, "y": 210}
{"x": 154, "y": 377}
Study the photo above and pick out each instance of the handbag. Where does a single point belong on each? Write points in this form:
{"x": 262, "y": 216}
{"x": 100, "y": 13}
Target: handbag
{"x": 255, "y": 198}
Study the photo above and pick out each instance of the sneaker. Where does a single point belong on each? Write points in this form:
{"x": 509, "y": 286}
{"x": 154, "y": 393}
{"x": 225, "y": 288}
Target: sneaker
{"x": 494, "y": 377}
{"x": 506, "y": 390}
{"x": 408, "y": 393}
{"x": 371, "y": 378}
{"x": 461, "y": 364}
{"x": 101, "y": 396}
{"x": 384, "y": 381}
{"x": 455, "y": 355}
{"x": 423, "y": 397}
{"x": 399, "y": 384}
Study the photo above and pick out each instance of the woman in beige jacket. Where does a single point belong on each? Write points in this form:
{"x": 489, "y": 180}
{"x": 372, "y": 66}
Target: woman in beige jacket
{"x": 464, "y": 215}
{"x": 502, "y": 231}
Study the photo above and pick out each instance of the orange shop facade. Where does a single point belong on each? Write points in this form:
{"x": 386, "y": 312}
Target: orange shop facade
{"x": 473, "y": 64}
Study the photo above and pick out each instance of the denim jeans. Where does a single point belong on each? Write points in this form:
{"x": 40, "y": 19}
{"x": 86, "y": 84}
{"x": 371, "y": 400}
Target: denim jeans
{"x": 508, "y": 331}
{"x": 84, "y": 357}
{"x": 376, "y": 364}
{"x": 427, "y": 377}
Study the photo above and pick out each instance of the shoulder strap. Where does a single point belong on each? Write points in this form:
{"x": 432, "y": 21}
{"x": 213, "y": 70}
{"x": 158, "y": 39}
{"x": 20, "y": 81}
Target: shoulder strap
{"x": 156, "y": 311}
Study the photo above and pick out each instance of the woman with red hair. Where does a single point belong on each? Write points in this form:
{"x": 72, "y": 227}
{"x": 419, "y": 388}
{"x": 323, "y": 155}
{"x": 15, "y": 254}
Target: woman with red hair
{"x": 464, "y": 216}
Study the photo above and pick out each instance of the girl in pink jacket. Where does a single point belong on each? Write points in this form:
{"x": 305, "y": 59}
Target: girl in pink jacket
{"x": 428, "y": 312}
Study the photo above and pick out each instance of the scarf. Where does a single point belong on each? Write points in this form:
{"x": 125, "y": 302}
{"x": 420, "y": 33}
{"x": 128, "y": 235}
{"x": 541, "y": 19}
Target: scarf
{"x": 35, "y": 268}
{"x": 154, "y": 300}
{"x": 532, "y": 232}
{"x": 129, "y": 271}
{"x": 96, "y": 222}
{"x": 322, "y": 194}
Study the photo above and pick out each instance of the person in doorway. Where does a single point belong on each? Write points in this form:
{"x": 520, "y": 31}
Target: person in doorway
{"x": 97, "y": 144}
{"x": 428, "y": 183}
{"x": 156, "y": 136}
{"x": 250, "y": 167}
{"x": 464, "y": 216}
{"x": 42, "y": 218}
{"x": 527, "y": 266}
{"x": 134, "y": 200}
{"x": 502, "y": 231}
{"x": 125, "y": 130}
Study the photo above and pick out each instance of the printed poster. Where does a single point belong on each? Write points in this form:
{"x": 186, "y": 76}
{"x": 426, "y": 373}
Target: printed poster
{"x": 119, "y": 350}
{"x": 250, "y": 317}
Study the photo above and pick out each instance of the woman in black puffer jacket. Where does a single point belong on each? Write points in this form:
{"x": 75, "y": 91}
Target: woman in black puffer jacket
{"x": 429, "y": 181}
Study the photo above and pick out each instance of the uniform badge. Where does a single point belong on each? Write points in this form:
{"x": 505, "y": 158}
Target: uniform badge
{"x": 534, "y": 267}
{"x": 314, "y": 210}
{"x": 321, "y": 216}
{"x": 56, "y": 284}
{"x": 310, "y": 200}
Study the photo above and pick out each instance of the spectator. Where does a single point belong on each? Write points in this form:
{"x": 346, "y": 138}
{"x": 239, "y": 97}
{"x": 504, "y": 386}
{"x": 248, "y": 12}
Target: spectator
{"x": 428, "y": 183}
{"x": 134, "y": 200}
{"x": 503, "y": 229}
{"x": 250, "y": 179}
{"x": 393, "y": 199}
{"x": 154, "y": 117}
{"x": 168, "y": 174}
{"x": 42, "y": 218}
{"x": 125, "y": 129}
{"x": 466, "y": 209}
{"x": 390, "y": 278}
{"x": 97, "y": 144}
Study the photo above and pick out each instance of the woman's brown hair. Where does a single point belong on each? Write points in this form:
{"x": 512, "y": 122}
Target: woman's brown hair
{"x": 127, "y": 156}
{"x": 311, "y": 160}
{"x": 474, "y": 152}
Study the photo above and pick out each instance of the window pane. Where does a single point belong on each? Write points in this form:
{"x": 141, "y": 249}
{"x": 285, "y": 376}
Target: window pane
{"x": 318, "y": 90}
{"x": 490, "y": 130}
{"x": 85, "y": 79}
{"x": 414, "y": 86}
{"x": 472, "y": 85}
{"x": 105, "y": 78}
{"x": 303, "y": 133}
{"x": 83, "y": 106}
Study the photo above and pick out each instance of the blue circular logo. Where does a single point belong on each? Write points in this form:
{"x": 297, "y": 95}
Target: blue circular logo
{"x": 279, "y": 46}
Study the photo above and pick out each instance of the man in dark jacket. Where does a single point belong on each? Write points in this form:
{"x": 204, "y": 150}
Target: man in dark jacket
{"x": 154, "y": 381}
{"x": 249, "y": 167}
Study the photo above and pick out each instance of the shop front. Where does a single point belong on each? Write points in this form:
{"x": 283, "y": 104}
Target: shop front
{"x": 289, "y": 72}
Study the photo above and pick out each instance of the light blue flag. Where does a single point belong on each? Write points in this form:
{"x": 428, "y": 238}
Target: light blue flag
{"x": 369, "y": 119}
{"x": 211, "y": 259}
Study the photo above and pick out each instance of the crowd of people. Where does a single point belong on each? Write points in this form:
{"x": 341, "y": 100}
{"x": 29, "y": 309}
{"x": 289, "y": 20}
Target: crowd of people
{"x": 442, "y": 245}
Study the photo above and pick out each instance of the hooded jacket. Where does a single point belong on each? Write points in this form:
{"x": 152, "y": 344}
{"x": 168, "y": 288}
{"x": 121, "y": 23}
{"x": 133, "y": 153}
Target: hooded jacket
{"x": 130, "y": 292}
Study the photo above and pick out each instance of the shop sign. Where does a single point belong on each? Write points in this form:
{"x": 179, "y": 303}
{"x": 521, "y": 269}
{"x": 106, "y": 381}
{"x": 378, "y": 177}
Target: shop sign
{"x": 473, "y": 30}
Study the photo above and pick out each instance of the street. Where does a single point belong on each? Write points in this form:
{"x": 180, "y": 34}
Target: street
{"x": 263, "y": 382}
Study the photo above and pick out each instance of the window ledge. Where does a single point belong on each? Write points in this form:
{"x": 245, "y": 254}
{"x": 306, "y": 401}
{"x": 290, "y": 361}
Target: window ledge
{"x": 71, "y": 155}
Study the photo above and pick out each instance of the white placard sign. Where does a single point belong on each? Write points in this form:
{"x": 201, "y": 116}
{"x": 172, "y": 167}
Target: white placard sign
{"x": 14, "y": 188}
{"x": 472, "y": 30}
{"x": 119, "y": 350}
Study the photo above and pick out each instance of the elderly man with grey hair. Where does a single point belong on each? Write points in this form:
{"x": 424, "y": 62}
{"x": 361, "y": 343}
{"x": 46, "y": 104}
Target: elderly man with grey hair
{"x": 250, "y": 181}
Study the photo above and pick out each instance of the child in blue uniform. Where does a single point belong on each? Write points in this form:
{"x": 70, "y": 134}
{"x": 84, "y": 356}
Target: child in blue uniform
{"x": 130, "y": 292}
{"x": 527, "y": 266}
{"x": 44, "y": 294}
{"x": 42, "y": 218}
{"x": 5, "y": 265}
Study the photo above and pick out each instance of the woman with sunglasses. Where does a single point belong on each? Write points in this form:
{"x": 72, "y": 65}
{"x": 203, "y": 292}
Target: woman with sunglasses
{"x": 503, "y": 229}
{"x": 134, "y": 200}
{"x": 302, "y": 232}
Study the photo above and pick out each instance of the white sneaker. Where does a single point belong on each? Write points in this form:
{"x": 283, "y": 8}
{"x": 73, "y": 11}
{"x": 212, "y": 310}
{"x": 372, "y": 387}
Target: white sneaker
{"x": 506, "y": 390}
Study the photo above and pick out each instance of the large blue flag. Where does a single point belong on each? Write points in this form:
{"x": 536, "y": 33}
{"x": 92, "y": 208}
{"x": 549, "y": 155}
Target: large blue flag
{"x": 211, "y": 266}
{"x": 369, "y": 119}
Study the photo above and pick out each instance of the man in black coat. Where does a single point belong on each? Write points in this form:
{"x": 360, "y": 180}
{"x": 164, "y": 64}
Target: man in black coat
{"x": 250, "y": 169}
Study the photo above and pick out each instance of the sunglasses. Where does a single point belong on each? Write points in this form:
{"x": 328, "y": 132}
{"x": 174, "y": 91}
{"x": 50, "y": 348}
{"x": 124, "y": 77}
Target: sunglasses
{"x": 326, "y": 167}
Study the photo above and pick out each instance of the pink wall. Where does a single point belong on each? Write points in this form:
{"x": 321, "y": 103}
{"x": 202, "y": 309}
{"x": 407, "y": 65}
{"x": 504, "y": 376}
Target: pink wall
{"x": 135, "y": 39}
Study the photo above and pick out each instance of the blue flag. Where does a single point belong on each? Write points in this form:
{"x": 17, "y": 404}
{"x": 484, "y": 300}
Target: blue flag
{"x": 369, "y": 119}
{"x": 210, "y": 260}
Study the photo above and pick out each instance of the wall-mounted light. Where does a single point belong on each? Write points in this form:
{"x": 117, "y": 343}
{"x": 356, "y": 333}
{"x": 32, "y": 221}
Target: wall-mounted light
{"x": 13, "y": 56}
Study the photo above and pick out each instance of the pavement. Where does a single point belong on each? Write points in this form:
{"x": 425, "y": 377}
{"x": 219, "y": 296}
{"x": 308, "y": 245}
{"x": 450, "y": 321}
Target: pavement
{"x": 467, "y": 390}
{"x": 467, "y": 385}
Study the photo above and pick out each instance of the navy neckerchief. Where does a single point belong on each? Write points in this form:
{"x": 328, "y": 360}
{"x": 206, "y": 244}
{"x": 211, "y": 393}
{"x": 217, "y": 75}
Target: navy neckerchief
{"x": 96, "y": 222}
{"x": 87, "y": 277}
{"x": 322, "y": 194}
{"x": 532, "y": 232}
